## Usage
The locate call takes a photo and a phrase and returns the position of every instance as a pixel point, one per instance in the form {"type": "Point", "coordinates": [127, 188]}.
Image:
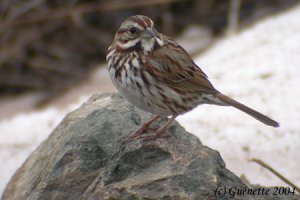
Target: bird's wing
{"type": "Point", "coordinates": [172, 65]}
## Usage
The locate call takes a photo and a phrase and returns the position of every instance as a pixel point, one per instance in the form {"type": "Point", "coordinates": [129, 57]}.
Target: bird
{"type": "Point", "coordinates": [157, 75]}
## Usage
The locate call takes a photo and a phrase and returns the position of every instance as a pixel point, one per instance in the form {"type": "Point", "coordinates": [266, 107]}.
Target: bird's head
{"type": "Point", "coordinates": [137, 33]}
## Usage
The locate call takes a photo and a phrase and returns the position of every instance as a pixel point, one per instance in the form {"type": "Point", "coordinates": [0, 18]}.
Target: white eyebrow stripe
{"type": "Point", "coordinates": [135, 24]}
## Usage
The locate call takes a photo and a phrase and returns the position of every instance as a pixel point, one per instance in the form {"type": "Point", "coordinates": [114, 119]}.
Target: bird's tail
{"type": "Point", "coordinates": [263, 118]}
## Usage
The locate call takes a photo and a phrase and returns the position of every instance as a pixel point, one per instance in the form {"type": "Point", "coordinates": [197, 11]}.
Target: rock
{"type": "Point", "coordinates": [83, 159]}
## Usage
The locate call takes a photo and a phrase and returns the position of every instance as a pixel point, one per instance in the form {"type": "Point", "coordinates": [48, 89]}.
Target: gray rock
{"type": "Point", "coordinates": [83, 159]}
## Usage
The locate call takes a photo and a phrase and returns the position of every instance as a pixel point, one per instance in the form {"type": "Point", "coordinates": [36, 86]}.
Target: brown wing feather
{"type": "Point", "coordinates": [178, 69]}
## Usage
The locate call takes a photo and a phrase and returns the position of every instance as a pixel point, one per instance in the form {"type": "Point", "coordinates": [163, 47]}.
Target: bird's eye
{"type": "Point", "coordinates": [133, 30]}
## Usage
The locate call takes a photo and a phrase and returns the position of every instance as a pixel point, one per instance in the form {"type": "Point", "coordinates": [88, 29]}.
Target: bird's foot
{"type": "Point", "coordinates": [138, 134]}
{"type": "Point", "coordinates": [157, 135]}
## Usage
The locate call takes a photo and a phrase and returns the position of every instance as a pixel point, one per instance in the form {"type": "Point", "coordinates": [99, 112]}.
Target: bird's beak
{"type": "Point", "coordinates": [148, 34]}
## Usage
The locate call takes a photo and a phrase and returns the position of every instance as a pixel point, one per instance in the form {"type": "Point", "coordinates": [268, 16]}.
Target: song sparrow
{"type": "Point", "coordinates": [157, 75]}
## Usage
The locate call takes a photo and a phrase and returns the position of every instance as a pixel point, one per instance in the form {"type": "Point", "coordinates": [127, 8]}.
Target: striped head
{"type": "Point", "coordinates": [137, 33]}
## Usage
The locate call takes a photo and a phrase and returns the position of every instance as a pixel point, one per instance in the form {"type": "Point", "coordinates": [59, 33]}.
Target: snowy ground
{"type": "Point", "coordinates": [259, 67]}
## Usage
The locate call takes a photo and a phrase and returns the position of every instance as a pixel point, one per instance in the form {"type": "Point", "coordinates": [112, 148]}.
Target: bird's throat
{"type": "Point", "coordinates": [147, 44]}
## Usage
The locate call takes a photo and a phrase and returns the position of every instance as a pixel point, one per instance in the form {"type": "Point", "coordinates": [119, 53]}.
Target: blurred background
{"type": "Point", "coordinates": [51, 46]}
{"type": "Point", "coordinates": [52, 55]}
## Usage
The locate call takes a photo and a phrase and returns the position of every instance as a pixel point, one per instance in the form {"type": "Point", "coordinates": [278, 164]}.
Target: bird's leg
{"type": "Point", "coordinates": [141, 130]}
{"type": "Point", "coordinates": [161, 130]}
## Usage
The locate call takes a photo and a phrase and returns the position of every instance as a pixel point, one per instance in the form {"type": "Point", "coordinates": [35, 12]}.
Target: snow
{"type": "Point", "coordinates": [259, 67]}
